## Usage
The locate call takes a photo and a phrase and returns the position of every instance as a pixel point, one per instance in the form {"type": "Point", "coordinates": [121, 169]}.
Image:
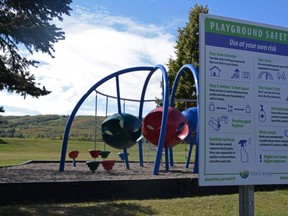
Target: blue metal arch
{"type": "Point", "coordinates": [140, 149]}
{"type": "Point", "coordinates": [194, 72]}
{"type": "Point", "coordinates": [116, 75]}
{"type": "Point", "coordinates": [164, 121]}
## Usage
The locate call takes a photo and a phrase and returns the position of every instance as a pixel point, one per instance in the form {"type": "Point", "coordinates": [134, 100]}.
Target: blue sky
{"type": "Point", "coordinates": [104, 36]}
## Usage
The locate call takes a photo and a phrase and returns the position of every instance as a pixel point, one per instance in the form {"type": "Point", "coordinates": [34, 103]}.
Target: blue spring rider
{"type": "Point", "coordinates": [191, 115]}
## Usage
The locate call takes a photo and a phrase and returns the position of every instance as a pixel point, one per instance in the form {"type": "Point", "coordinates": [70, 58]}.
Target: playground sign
{"type": "Point", "coordinates": [243, 127]}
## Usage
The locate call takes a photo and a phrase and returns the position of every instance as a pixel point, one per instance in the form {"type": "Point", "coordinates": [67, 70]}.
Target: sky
{"type": "Point", "coordinates": [105, 36]}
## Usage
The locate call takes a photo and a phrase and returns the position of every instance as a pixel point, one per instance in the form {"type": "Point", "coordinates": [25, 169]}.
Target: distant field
{"type": "Point", "coordinates": [17, 150]}
{"type": "Point", "coordinates": [24, 138]}
{"type": "Point", "coordinates": [49, 127]}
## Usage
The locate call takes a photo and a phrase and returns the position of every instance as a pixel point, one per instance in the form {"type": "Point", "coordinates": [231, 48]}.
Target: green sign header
{"type": "Point", "coordinates": [246, 30]}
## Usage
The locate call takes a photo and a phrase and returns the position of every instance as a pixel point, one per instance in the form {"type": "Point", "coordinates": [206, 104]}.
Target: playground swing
{"type": "Point", "coordinates": [121, 131]}
{"type": "Point", "coordinates": [95, 153]}
{"type": "Point", "coordinates": [149, 151]}
{"type": "Point", "coordinates": [107, 164]}
{"type": "Point", "coordinates": [120, 154]}
{"type": "Point", "coordinates": [105, 153]}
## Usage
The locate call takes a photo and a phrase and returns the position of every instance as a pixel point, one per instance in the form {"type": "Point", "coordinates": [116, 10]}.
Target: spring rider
{"type": "Point", "coordinates": [177, 128]}
{"type": "Point", "coordinates": [121, 131]}
{"type": "Point", "coordinates": [191, 115]}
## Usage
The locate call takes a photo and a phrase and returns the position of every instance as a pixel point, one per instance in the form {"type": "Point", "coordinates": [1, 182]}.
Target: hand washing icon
{"type": "Point", "coordinates": [215, 123]}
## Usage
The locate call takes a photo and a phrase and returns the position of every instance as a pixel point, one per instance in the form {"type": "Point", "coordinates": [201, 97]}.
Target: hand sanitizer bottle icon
{"type": "Point", "coordinates": [211, 107]}
{"type": "Point", "coordinates": [262, 114]}
{"type": "Point", "coordinates": [247, 109]}
{"type": "Point", "coordinates": [243, 151]}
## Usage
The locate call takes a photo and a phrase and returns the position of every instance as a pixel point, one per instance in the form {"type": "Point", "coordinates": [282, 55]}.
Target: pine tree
{"type": "Point", "coordinates": [187, 52]}
{"type": "Point", "coordinates": [27, 24]}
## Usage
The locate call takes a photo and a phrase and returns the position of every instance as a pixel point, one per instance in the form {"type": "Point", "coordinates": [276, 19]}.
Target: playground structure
{"type": "Point", "coordinates": [177, 128]}
{"type": "Point", "coordinates": [73, 155]}
{"type": "Point", "coordinates": [123, 130]}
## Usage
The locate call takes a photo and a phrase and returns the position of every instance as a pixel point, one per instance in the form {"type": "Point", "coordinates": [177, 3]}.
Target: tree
{"type": "Point", "coordinates": [187, 52]}
{"type": "Point", "coordinates": [27, 24]}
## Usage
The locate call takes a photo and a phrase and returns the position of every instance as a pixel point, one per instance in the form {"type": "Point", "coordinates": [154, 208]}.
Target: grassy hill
{"type": "Point", "coordinates": [49, 126]}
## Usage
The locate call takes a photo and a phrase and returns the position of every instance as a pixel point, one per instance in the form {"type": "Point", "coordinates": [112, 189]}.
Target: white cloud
{"type": "Point", "coordinates": [96, 45]}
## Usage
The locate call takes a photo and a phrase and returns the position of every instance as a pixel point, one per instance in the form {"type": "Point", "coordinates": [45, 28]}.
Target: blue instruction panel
{"type": "Point", "coordinates": [243, 80]}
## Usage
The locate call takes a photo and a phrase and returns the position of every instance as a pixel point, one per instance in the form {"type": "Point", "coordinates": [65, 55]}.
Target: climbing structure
{"type": "Point", "coordinates": [150, 71]}
{"type": "Point", "coordinates": [164, 127]}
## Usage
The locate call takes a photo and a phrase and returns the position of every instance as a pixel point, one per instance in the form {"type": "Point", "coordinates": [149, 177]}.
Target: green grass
{"type": "Point", "coordinates": [266, 204]}
{"type": "Point", "coordinates": [16, 150]}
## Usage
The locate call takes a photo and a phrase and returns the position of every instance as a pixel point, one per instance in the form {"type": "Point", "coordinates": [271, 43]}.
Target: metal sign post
{"type": "Point", "coordinates": [246, 200]}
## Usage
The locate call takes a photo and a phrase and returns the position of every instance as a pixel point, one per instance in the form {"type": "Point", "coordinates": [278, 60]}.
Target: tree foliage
{"type": "Point", "coordinates": [187, 52]}
{"type": "Point", "coordinates": [27, 24]}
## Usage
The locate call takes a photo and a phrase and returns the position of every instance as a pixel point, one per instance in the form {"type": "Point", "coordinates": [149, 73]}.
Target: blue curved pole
{"type": "Point", "coordinates": [171, 159]}
{"type": "Point", "coordinates": [126, 158]}
{"type": "Point", "coordinates": [95, 121]}
{"type": "Point", "coordinates": [158, 158]}
{"type": "Point", "coordinates": [125, 152]}
{"type": "Point", "coordinates": [166, 150]}
{"type": "Point", "coordinates": [140, 147]}
{"type": "Point", "coordinates": [189, 155]}
{"type": "Point", "coordinates": [118, 94]}
{"type": "Point", "coordinates": [194, 72]}
{"type": "Point", "coordinates": [164, 120]}
{"type": "Point", "coordinates": [80, 102]}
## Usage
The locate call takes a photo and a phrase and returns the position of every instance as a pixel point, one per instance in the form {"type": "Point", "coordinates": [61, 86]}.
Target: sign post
{"type": "Point", "coordinates": [246, 200]}
{"type": "Point", "coordinates": [243, 132]}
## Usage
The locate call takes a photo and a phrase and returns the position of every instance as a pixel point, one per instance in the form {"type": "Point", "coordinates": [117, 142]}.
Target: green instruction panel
{"type": "Point", "coordinates": [243, 79]}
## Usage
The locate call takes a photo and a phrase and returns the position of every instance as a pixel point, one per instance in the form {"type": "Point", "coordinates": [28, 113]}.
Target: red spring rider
{"type": "Point", "coordinates": [177, 127]}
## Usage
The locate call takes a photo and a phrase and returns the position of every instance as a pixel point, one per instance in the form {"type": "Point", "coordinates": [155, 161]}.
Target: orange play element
{"type": "Point", "coordinates": [93, 165]}
{"type": "Point", "coordinates": [104, 154]}
{"type": "Point", "coordinates": [177, 127]}
{"type": "Point", "coordinates": [94, 153]}
{"type": "Point", "coordinates": [108, 164]}
{"type": "Point", "coordinates": [73, 154]}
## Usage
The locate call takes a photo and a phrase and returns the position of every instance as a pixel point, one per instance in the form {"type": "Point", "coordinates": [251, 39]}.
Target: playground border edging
{"type": "Point", "coordinates": [88, 191]}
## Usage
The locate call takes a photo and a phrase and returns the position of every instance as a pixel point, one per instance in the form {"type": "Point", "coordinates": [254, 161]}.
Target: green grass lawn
{"type": "Point", "coordinates": [15, 150]}
{"type": "Point", "coordinates": [266, 204]}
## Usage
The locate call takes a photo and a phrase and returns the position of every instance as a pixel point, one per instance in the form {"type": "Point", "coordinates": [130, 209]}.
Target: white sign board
{"type": "Point", "coordinates": [243, 135]}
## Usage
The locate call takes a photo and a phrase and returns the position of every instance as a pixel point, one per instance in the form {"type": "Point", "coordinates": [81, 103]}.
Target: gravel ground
{"type": "Point", "coordinates": [46, 172]}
